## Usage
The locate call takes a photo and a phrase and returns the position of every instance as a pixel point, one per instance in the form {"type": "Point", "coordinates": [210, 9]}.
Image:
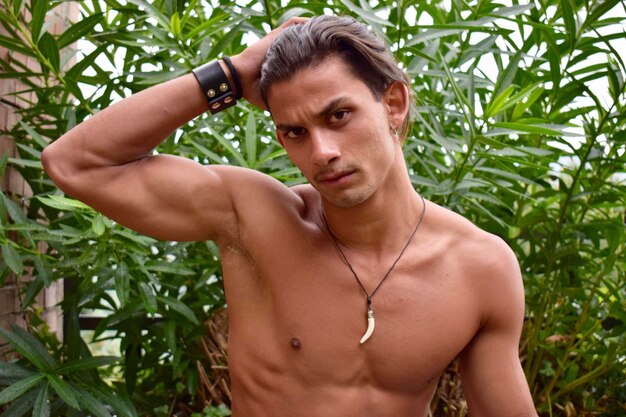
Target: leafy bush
{"type": "Point", "coordinates": [520, 127]}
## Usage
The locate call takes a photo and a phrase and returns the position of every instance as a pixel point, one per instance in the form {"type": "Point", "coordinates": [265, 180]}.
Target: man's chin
{"type": "Point", "coordinates": [346, 199]}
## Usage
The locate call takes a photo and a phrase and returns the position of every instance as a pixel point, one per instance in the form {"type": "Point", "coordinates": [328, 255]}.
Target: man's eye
{"type": "Point", "coordinates": [339, 116]}
{"type": "Point", "coordinates": [294, 133]}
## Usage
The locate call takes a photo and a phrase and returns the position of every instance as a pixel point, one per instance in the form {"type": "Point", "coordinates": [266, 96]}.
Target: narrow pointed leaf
{"type": "Point", "coordinates": [21, 406]}
{"type": "Point", "coordinates": [79, 29]}
{"type": "Point", "coordinates": [180, 308]}
{"type": "Point", "coordinates": [64, 203]}
{"type": "Point", "coordinates": [148, 297]}
{"type": "Point", "coordinates": [251, 139]}
{"type": "Point", "coordinates": [34, 135]}
{"type": "Point", "coordinates": [50, 50]}
{"type": "Point", "coordinates": [3, 164]}
{"type": "Point", "coordinates": [84, 364]}
{"type": "Point", "coordinates": [498, 102]}
{"type": "Point", "coordinates": [365, 14]}
{"type": "Point", "coordinates": [570, 23]}
{"type": "Point", "coordinates": [40, 8]}
{"type": "Point", "coordinates": [41, 408]}
{"type": "Point", "coordinates": [122, 406]}
{"type": "Point", "coordinates": [28, 346]}
{"type": "Point", "coordinates": [15, 390]}
{"type": "Point", "coordinates": [528, 128]}
{"type": "Point", "coordinates": [16, 45]}
{"type": "Point", "coordinates": [122, 284]}
{"type": "Point", "coordinates": [91, 403]}
{"type": "Point", "coordinates": [11, 371]}
{"type": "Point", "coordinates": [63, 390]}
{"type": "Point", "coordinates": [33, 289]}
{"type": "Point", "coordinates": [12, 259]}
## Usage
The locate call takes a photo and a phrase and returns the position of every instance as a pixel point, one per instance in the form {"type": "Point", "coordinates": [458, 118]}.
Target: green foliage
{"type": "Point", "coordinates": [520, 125]}
{"type": "Point", "coordinates": [220, 411]}
{"type": "Point", "coordinates": [44, 379]}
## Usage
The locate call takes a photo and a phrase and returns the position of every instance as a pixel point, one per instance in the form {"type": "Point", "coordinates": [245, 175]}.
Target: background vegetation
{"type": "Point", "coordinates": [520, 126]}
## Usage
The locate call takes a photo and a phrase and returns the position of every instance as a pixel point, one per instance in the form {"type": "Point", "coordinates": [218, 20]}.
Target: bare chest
{"type": "Point", "coordinates": [311, 312]}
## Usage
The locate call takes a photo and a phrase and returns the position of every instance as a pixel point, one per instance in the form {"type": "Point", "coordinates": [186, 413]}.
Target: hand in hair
{"type": "Point", "coordinates": [248, 63]}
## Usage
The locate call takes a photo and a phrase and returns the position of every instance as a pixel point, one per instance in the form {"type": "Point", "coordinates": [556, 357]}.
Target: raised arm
{"type": "Point", "coordinates": [106, 161]}
{"type": "Point", "coordinates": [494, 384]}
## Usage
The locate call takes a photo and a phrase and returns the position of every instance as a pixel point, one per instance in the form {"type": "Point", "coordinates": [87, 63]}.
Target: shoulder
{"type": "Point", "coordinates": [262, 204]}
{"type": "Point", "coordinates": [489, 267]}
{"type": "Point", "coordinates": [252, 189]}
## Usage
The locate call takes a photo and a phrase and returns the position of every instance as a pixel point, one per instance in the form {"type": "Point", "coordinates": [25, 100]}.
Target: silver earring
{"type": "Point", "coordinates": [394, 130]}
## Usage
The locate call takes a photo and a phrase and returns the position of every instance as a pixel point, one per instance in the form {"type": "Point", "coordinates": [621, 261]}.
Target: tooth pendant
{"type": "Point", "coordinates": [370, 325]}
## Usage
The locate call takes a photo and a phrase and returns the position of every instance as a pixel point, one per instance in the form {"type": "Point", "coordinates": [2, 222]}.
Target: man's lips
{"type": "Point", "coordinates": [333, 176]}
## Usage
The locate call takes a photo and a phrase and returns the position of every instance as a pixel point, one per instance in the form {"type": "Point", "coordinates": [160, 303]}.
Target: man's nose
{"type": "Point", "coordinates": [325, 148]}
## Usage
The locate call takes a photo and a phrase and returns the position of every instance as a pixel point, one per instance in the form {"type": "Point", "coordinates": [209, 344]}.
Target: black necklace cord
{"type": "Point", "coordinates": [345, 259]}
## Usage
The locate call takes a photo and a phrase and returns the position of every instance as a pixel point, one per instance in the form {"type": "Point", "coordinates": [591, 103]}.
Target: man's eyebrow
{"type": "Point", "coordinates": [332, 105]}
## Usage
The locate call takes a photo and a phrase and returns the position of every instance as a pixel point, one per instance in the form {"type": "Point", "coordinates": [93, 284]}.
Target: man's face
{"type": "Point", "coordinates": [335, 131]}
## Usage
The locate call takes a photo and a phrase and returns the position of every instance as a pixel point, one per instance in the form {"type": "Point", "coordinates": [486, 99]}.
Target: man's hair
{"type": "Point", "coordinates": [305, 45]}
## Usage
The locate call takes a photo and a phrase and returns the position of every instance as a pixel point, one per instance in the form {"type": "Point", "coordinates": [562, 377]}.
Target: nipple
{"type": "Point", "coordinates": [295, 343]}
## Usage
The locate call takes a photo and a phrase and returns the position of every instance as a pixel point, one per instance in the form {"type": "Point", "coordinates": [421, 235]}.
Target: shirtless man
{"type": "Point", "coordinates": [301, 263]}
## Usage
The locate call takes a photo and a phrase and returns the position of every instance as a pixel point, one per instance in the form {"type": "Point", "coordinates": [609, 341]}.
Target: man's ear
{"type": "Point", "coordinates": [396, 100]}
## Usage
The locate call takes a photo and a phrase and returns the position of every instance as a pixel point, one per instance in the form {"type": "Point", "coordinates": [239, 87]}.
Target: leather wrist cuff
{"type": "Point", "coordinates": [215, 85]}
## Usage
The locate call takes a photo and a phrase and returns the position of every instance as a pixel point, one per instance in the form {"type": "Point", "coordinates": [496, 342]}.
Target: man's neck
{"type": "Point", "coordinates": [381, 222]}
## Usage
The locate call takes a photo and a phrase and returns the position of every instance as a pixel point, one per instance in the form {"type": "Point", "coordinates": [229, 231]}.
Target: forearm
{"type": "Point", "coordinates": [130, 129]}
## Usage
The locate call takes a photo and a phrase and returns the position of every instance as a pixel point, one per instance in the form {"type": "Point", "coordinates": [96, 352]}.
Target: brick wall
{"type": "Point", "coordinates": [15, 186]}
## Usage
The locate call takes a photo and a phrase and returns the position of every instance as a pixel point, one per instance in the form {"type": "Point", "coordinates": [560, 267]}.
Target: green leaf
{"type": "Point", "coordinates": [63, 390]}
{"type": "Point", "coordinates": [79, 29]}
{"type": "Point", "coordinates": [365, 14]}
{"type": "Point", "coordinates": [506, 77]}
{"type": "Point", "coordinates": [505, 174]}
{"type": "Point", "coordinates": [40, 8]}
{"type": "Point", "coordinates": [19, 74]}
{"type": "Point", "coordinates": [77, 70]}
{"type": "Point", "coordinates": [43, 269]}
{"type": "Point", "coordinates": [522, 106]}
{"type": "Point", "coordinates": [528, 128]}
{"type": "Point", "coordinates": [498, 102]}
{"type": "Point", "coordinates": [13, 259]}
{"type": "Point", "coordinates": [92, 404]}
{"type": "Point", "coordinates": [251, 139]}
{"type": "Point", "coordinates": [34, 134]}
{"type": "Point", "coordinates": [84, 364]}
{"type": "Point", "coordinates": [169, 268]}
{"type": "Point", "coordinates": [4, 273]}
{"type": "Point", "coordinates": [122, 284]}
{"type": "Point", "coordinates": [567, 8]}
{"type": "Point", "coordinates": [18, 5]}
{"type": "Point", "coordinates": [33, 289]}
{"type": "Point", "coordinates": [180, 308]}
{"type": "Point", "coordinates": [26, 163]}
{"type": "Point", "coordinates": [175, 25]}
{"type": "Point", "coordinates": [148, 297]}
{"type": "Point", "coordinates": [3, 164]}
{"type": "Point", "coordinates": [15, 212]}
{"type": "Point", "coordinates": [29, 347]}
{"type": "Point", "coordinates": [230, 148]}
{"type": "Point", "coordinates": [21, 405]}
{"type": "Point", "coordinates": [17, 46]}
{"type": "Point", "coordinates": [15, 390]}
{"type": "Point", "coordinates": [64, 203]}
{"type": "Point", "coordinates": [41, 408]}
{"type": "Point", "coordinates": [12, 371]}
{"type": "Point", "coordinates": [97, 225]}
{"type": "Point", "coordinates": [122, 406]}
{"type": "Point", "coordinates": [50, 50]}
